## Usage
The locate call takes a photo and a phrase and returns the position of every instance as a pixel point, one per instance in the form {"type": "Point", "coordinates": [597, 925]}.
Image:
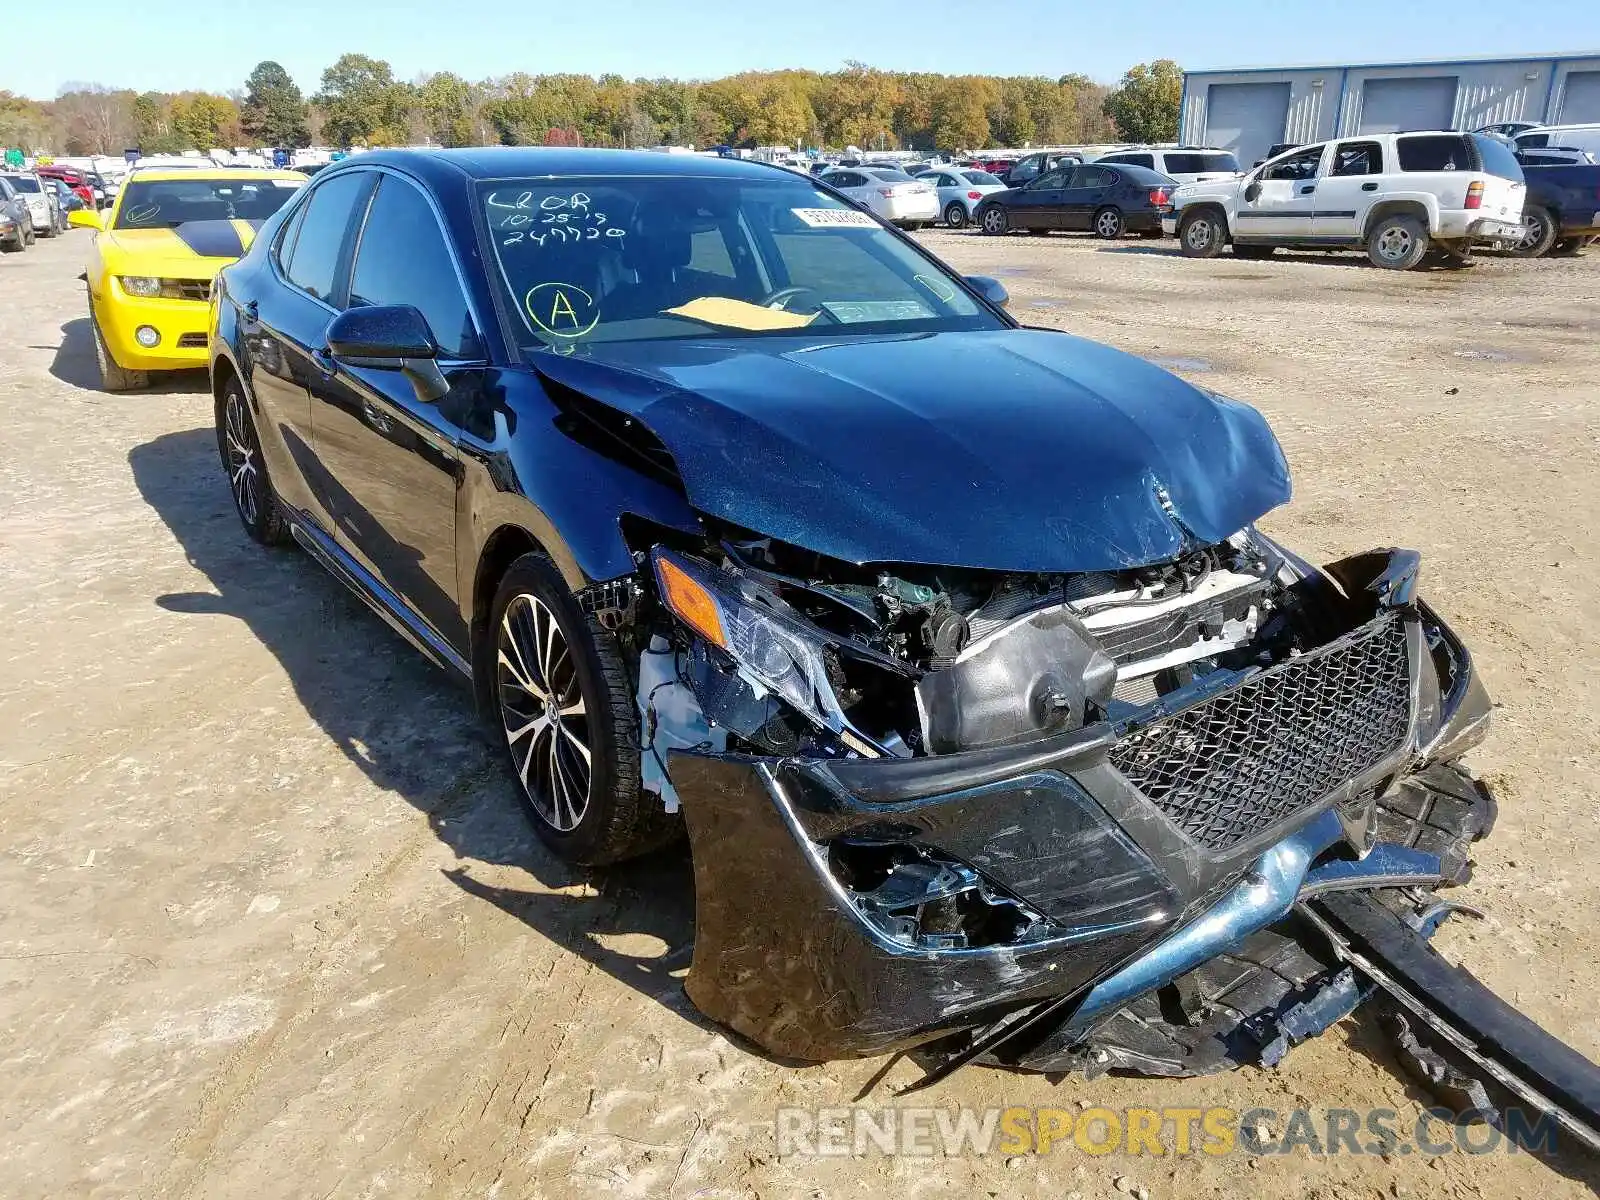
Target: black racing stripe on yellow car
{"type": "Point", "coordinates": [211, 239]}
{"type": "Point", "coordinates": [246, 229]}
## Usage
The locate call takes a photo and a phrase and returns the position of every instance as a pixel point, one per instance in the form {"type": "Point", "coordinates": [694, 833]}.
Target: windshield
{"type": "Point", "coordinates": [624, 259]}
{"type": "Point", "coordinates": [981, 178]}
{"type": "Point", "coordinates": [25, 183]}
{"type": "Point", "coordinates": [165, 203]}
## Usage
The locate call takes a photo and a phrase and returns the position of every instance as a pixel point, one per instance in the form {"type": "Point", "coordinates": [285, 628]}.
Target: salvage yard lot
{"type": "Point", "coordinates": [272, 923]}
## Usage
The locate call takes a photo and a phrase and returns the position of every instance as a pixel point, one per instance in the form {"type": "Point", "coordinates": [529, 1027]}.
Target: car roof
{"type": "Point", "coordinates": [512, 162]}
{"type": "Point", "coordinates": [167, 174]}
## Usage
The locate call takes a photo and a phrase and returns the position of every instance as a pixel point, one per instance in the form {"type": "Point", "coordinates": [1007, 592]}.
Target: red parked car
{"type": "Point", "coordinates": [73, 178]}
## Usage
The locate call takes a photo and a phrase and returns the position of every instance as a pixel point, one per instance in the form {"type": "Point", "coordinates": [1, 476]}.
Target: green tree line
{"type": "Point", "coordinates": [361, 103]}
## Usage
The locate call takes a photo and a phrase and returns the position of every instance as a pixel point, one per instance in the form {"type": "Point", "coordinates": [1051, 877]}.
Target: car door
{"type": "Point", "coordinates": [1347, 190]}
{"type": "Point", "coordinates": [393, 456]}
{"type": "Point", "coordinates": [281, 325]}
{"type": "Point", "coordinates": [1085, 192]}
{"type": "Point", "coordinates": [854, 185]}
{"type": "Point", "coordinates": [1281, 201]}
{"type": "Point", "coordinates": [948, 186]}
{"type": "Point", "coordinates": [1037, 205]}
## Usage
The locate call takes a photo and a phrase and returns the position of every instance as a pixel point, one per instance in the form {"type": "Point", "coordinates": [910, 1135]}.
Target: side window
{"type": "Point", "coordinates": [1357, 158]}
{"type": "Point", "coordinates": [313, 263]}
{"type": "Point", "coordinates": [708, 254]}
{"type": "Point", "coordinates": [291, 231]}
{"type": "Point", "coordinates": [1297, 166]}
{"type": "Point", "coordinates": [1045, 183]}
{"type": "Point", "coordinates": [845, 179]}
{"type": "Point", "coordinates": [946, 181]}
{"type": "Point", "coordinates": [1135, 160]}
{"type": "Point", "coordinates": [1184, 164]}
{"type": "Point", "coordinates": [1093, 177]}
{"type": "Point", "coordinates": [1441, 152]}
{"type": "Point", "coordinates": [403, 259]}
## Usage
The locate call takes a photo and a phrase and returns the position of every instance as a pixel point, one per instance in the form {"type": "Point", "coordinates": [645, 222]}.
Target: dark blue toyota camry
{"type": "Point", "coordinates": [953, 644]}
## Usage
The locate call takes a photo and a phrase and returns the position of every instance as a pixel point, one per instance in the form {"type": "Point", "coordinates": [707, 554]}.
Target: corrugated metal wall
{"type": "Point", "coordinates": [1326, 102]}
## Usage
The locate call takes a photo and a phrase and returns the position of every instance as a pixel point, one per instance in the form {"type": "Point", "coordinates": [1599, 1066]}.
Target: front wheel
{"type": "Point", "coordinates": [567, 714]}
{"type": "Point", "coordinates": [956, 216]}
{"type": "Point", "coordinates": [1108, 223]}
{"type": "Point", "coordinates": [993, 220]}
{"type": "Point", "coordinates": [1397, 243]}
{"type": "Point", "coordinates": [240, 447]}
{"type": "Point", "coordinates": [1540, 229]}
{"type": "Point", "coordinates": [113, 378]}
{"type": "Point", "coordinates": [1201, 234]}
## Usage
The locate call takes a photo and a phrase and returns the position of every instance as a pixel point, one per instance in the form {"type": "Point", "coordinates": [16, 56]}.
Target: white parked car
{"type": "Point", "coordinates": [960, 190]}
{"type": "Point", "coordinates": [1574, 137]}
{"type": "Point", "coordinates": [1189, 164]}
{"type": "Point", "coordinates": [1395, 195]}
{"type": "Point", "coordinates": [892, 195]}
{"type": "Point", "coordinates": [41, 202]}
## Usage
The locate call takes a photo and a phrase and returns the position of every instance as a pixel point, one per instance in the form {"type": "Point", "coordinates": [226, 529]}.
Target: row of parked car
{"type": "Point", "coordinates": [34, 204]}
{"type": "Point", "coordinates": [1405, 198]}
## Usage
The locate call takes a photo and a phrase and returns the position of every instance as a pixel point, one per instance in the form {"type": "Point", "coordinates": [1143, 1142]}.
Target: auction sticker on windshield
{"type": "Point", "coordinates": [828, 218]}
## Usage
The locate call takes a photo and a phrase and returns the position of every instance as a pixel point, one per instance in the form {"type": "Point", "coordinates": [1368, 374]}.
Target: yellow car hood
{"type": "Point", "coordinates": [193, 250]}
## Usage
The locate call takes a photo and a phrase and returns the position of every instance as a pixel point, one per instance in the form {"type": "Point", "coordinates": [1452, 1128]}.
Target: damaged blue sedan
{"type": "Point", "coordinates": [999, 730]}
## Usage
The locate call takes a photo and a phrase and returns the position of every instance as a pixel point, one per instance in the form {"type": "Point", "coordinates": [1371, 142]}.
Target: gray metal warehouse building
{"type": "Point", "coordinates": [1248, 110]}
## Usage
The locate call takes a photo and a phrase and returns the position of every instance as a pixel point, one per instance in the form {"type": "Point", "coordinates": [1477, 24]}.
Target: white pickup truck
{"type": "Point", "coordinates": [1397, 195]}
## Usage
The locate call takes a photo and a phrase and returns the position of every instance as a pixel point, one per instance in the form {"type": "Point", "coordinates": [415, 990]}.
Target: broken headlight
{"type": "Point", "coordinates": [774, 651]}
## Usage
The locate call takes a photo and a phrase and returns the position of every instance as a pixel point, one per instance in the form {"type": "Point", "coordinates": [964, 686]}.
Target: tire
{"type": "Point", "coordinates": [1397, 243]}
{"type": "Point", "coordinates": [1252, 252]}
{"type": "Point", "coordinates": [1569, 247]}
{"type": "Point", "coordinates": [566, 710]}
{"type": "Point", "coordinates": [240, 448]}
{"type": "Point", "coordinates": [1108, 223]}
{"type": "Point", "coordinates": [1542, 231]}
{"type": "Point", "coordinates": [955, 215]}
{"type": "Point", "coordinates": [994, 220]}
{"type": "Point", "coordinates": [15, 244]}
{"type": "Point", "coordinates": [49, 231]}
{"type": "Point", "coordinates": [112, 377]}
{"type": "Point", "coordinates": [1201, 234]}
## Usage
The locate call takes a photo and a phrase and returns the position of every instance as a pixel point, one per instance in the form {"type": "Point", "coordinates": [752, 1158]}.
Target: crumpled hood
{"type": "Point", "coordinates": [1016, 450]}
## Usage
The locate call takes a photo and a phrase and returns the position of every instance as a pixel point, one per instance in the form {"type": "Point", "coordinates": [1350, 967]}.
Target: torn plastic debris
{"type": "Point", "coordinates": [669, 719]}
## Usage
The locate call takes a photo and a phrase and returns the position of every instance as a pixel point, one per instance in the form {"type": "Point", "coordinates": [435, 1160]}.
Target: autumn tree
{"type": "Point", "coordinates": [274, 111]}
{"type": "Point", "coordinates": [203, 121]}
{"type": "Point", "coordinates": [24, 124]}
{"type": "Point", "coordinates": [1145, 104]}
{"type": "Point", "coordinates": [362, 103]}
{"type": "Point", "coordinates": [93, 119]}
{"type": "Point", "coordinates": [449, 108]}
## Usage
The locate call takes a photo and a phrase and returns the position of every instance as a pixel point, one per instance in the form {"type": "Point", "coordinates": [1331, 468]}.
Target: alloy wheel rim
{"type": "Point", "coordinates": [1108, 225]}
{"type": "Point", "coordinates": [1395, 243]}
{"type": "Point", "coordinates": [1200, 234]}
{"type": "Point", "coordinates": [242, 475]}
{"type": "Point", "coordinates": [993, 221]}
{"type": "Point", "coordinates": [543, 713]}
{"type": "Point", "coordinates": [1532, 232]}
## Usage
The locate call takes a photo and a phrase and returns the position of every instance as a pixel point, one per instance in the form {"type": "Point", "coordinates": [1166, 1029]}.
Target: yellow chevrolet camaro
{"type": "Point", "coordinates": [157, 252]}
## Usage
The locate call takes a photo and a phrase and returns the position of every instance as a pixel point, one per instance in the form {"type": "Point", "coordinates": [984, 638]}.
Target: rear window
{"type": "Point", "coordinates": [888, 176]}
{"type": "Point", "coordinates": [1187, 163]}
{"type": "Point", "coordinates": [1534, 139]}
{"type": "Point", "coordinates": [1439, 152]}
{"type": "Point", "coordinates": [981, 178]}
{"type": "Point", "coordinates": [24, 183]}
{"type": "Point", "coordinates": [1497, 157]}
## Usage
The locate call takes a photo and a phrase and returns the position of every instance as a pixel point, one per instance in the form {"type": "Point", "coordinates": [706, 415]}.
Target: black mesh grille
{"type": "Point", "coordinates": [1237, 764]}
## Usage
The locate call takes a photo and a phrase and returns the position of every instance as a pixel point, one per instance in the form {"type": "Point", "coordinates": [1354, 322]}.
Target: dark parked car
{"type": "Point", "coordinates": [1562, 210]}
{"type": "Point", "coordinates": [980, 704]}
{"type": "Point", "coordinates": [1110, 202]}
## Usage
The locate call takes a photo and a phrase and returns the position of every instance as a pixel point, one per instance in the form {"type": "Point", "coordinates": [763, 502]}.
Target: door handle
{"type": "Point", "coordinates": [1307, 188]}
{"type": "Point", "coordinates": [1369, 187]}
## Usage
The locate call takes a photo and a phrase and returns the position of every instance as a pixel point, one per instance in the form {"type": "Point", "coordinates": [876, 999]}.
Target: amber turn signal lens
{"type": "Point", "coordinates": [691, 602]}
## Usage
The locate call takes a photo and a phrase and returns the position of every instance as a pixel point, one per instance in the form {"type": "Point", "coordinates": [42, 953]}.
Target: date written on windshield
{"type": "Point", "coordinates": [521, 217]}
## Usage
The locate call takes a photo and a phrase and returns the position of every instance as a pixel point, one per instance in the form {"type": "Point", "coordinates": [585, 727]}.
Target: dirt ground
{"type": "Point", "coordinates": [271, 922]}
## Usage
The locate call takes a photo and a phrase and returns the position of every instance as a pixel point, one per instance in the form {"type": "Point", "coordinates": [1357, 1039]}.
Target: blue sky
{"type": "Point", "coordinates": [167, 45]}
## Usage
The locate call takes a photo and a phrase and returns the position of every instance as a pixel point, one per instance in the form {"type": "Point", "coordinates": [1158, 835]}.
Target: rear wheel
{"type": "Point", "coordinates": [1397, 243]}
{"type": "Point", "coordinates": [955, 216]}
{"type": "Point", "coordinates": [1201, 234]}
{"type": "Point", "coordinates": [1252, 251]}
{"type": "Point", "coordinates": [112, 377]}
{"type": "Point", "coordinates": [1539, 233]}
{"type": "Point", "coordinates": [567, 714]}
{"type": "Point", "coordinates": [1108, 223]}
{"type": "Point", "coordinates": [993, 220]}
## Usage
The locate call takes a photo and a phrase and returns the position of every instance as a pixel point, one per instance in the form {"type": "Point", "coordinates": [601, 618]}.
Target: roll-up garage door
{"type": "Point", "coordinates": [1247, 118]}
{"type": "Point", "coordinates": [1395, 105]}
{"type": "Point", "coordinates": [1580, 98]}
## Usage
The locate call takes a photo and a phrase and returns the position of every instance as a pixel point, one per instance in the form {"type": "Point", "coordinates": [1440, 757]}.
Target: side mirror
{"type": "Point", "coordinates": [1252, 191]}
{"type": "Point", "coordinates": [990, 289]}
{"type": "Point", "coordinates": [86, 218]}
{"type": "Point", "coordinates": [389, 337]}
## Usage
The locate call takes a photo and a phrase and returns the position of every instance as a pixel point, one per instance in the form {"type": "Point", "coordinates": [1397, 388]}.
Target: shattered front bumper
{"type": "Point", "coordinates": [1097, 864]}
